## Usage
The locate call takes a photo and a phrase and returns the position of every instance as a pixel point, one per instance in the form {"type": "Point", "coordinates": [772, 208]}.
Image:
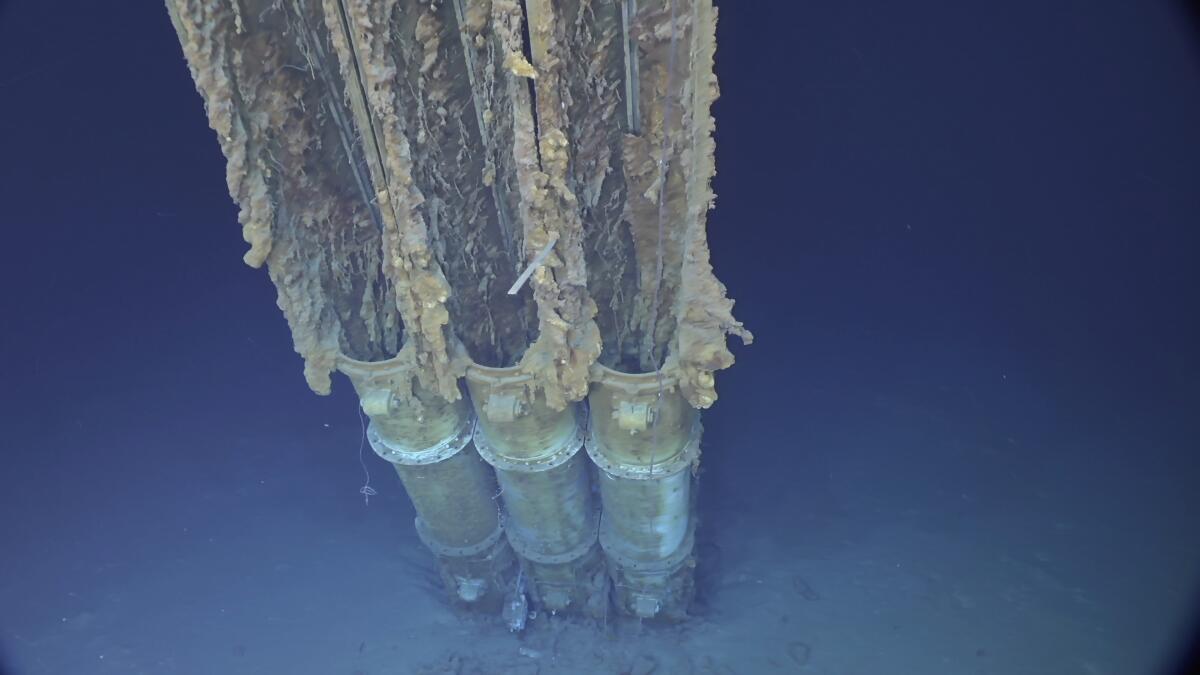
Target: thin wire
{"type": "Point", "coordinates": [664, 167]}
{"type": "Point", "coordinates": [366, 490]}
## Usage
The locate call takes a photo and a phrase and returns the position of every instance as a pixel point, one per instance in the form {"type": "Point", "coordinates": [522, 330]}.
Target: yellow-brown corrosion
{"type": "Point", "coordinates": [398, 163]}
{"type": "Point", "coordinates": [703, 312]}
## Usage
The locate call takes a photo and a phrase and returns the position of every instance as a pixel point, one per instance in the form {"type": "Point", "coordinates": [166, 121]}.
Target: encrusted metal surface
{"type": "Point", "coordinates": [398, 163]}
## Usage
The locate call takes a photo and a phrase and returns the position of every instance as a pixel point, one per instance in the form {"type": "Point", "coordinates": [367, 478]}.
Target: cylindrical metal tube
{"type": "Point", "coordinates": [552, 516]}
{"type": "Point", "coordinates": [550, 512]}
{"type": "Point", "coordinates": [628, 417]}
{"type": "Point", "coordinates": [428, 441]}
{"type": "Point", "coordinates": [452, 497]}
{"type": "Point", "coordinates": [644, 439]}
{"type": "Point", "coordinates": [647, 519]}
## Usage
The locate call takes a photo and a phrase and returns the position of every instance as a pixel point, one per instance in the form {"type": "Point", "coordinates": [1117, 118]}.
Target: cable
{"type": "Point", "coordinates": [366, 490]}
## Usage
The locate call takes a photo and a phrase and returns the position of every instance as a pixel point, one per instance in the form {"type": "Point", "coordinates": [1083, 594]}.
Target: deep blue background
{"type": "Point", "coordinates": [978, 192]}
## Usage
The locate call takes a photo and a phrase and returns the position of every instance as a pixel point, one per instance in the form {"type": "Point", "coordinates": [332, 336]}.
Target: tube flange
{"type": "Point", "coordinates": [553, 456]}
{"type": "Point", "coordinates": [396, 453]}
{"type": "Point", "coordinates": [685, 458]}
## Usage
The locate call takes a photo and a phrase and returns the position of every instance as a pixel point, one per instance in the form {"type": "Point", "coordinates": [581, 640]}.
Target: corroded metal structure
{"type": "Point", "coordinates": [490, 215]}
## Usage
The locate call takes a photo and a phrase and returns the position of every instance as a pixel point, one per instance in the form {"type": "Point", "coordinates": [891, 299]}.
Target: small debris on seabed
{"type": "Point", "coordinates": [531, 653]}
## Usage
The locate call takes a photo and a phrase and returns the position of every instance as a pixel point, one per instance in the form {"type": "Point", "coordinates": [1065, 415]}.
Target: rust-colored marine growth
{"type": "Point", "coordinates": [398, 163]}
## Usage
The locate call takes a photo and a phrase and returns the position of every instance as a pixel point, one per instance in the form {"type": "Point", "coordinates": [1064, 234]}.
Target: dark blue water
{"type": "Point", "coordinates": [964, 441]}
